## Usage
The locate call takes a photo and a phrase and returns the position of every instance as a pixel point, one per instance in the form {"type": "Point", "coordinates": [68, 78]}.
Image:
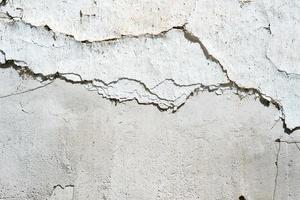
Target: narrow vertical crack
{"type": "Point", "coordinates": [277, 168]}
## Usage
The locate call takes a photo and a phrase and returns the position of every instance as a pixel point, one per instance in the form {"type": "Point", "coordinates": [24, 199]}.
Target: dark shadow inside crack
{"type": "Point", "coordinates": [242, 197]}
{"type": "Point", "coordinates": [3, 2]}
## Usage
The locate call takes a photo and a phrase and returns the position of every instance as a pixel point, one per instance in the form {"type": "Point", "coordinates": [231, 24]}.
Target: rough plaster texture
{"type": "Point", "coordinates": [216, 107]}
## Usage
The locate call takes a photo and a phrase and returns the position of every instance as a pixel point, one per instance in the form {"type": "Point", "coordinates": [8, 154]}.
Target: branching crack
{"type": "Point", "coordinates": [264, 99]}
{"type": "Point", "coordinates": [24, 71]}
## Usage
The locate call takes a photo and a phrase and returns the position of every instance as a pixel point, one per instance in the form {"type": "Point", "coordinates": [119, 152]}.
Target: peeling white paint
{"type": "Point", "coordinates": [98, 20]}
{"type": "Point", "coordinates": [260, 52]}
{"type": "Point", "coordinates": [249, 50]}
{"type": "Point", "coordinates": [126, 69]}
{"type": "Point", "coordinates": [230, 66]}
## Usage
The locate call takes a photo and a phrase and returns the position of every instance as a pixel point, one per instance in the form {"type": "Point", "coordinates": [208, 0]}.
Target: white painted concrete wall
{"type": "Point", "coordinates": [142, 100]}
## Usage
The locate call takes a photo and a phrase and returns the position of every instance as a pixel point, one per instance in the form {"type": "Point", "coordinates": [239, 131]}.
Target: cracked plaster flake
{"type": "Point", "coordinates": [161, 70]}
{"type": "Point", "coordinates": [69, 137]}
{"type": "Point", "coordinates": [257, 43]}
{"type": "Point", "coordinates": [261, 51]}
{"type": "Point", "coordinates": [97, 20]}
{"type": "Point", "coordinates": [69, 144]}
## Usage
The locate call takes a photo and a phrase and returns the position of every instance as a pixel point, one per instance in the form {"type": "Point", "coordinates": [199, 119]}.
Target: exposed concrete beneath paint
{"type": "Point", "coordinates": [133, 151]}
{"type": "Point", "coordinates": [151, 70]}
{"type": "Point", "coordinates": [232, 85]}
{"type": "Point", "coordinates": [259, 72]}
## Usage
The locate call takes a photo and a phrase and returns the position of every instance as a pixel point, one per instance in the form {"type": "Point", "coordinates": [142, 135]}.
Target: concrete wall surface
{"type": "Point", "coordinates": [149, 100]}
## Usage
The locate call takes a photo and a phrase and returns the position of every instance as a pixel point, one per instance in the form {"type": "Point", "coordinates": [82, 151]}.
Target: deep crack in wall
{"type": "Point", "coordinates": [78, 78]}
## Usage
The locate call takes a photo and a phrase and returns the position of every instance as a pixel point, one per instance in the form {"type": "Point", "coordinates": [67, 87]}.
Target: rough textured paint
{"type": "Point", "coordinates": [221, 76]}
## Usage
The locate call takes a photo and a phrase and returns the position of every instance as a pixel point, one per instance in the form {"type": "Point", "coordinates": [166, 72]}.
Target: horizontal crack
{"type": "Point", "coordinates": [286, 141]}
{"type": "Point", "coordinates": [62, 187]}
{"type": "Point", "coordinates": [264, 99]}
{"type": "Point", "coordinates": [122, 36]}
{"type": "Point", "coordinates": [24, 71]}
